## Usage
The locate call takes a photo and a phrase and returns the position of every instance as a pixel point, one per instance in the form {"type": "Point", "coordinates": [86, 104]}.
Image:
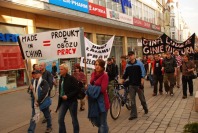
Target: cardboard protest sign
{"type": "Point", "coordinates": [165, 43]}
{"type": "Point", "coordinates": [66, 43]}
{"type": "Point", "coordinates": [94, 52]}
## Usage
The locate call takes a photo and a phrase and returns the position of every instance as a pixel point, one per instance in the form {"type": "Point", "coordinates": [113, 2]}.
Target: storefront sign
{"type": "Point", "coordinates": [141, 23]}
{"type": "Point", "coordinates": [119, 16]}
{"type": "Point", "coordinates": [65, 43]}
{"type": "Point", "coordinates": [97, 10]}
{"type": "Point", "coordinates": [79, 5]}
{"type": "Point", "coordinates": [155, 27]}
{"type": "Point", "coordinates": [10, 58]}
{"type": "Point", "coordinates": [144, 24]}
{"type": "Point", "coordinates": [165, 43]}
{"type": "Point", "coordinates": [94, 52]}
{"type": "Point", "coordinates": [124, 3]}
{"type": "Point", "coordinates": [7, 37]}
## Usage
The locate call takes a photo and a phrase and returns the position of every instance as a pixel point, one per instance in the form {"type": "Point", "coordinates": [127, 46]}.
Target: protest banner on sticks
{"type": "Point", "coordinates": [66, 43]}
{"type": "Point", "coordinates": [94, 52]}
{"type": "Point", "coordinates": [165, 43]}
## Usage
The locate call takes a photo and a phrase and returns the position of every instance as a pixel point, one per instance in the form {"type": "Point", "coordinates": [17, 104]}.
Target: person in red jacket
{"type": "Point", "coordinates": [100, 78]}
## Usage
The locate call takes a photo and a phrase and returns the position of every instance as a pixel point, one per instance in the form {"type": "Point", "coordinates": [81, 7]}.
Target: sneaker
{"type": "Point", "coordinates": [184, 97]}
{"type": "Point", "coordinates": [132, 118]}
{"type": "Point", "coordinates": [82, 108]}
{"type": "Point", "coordinates": [171, 94]}
{"type": "Point", "coordinates": [146, 111]}
{"type": "Point", "coordinates": [154, 94]}
{"type": "Point", "coordinates": [44, 121]}
{"type": "Point", "coordinates": [48, 130]}
{"type": "Point", "coordinates": [166, 93]}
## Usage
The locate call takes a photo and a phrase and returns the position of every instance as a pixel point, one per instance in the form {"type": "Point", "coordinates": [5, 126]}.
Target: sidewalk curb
{"type": "Point", "coordinates": [13, 90]}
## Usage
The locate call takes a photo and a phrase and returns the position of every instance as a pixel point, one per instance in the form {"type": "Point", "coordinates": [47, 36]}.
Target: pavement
{"type": "Point", "coordinates": [167, 114]}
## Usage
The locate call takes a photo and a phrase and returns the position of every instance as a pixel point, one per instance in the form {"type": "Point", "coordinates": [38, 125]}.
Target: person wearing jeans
{"type": "Point", "coordinates": [72, 106]}
{"type": "Point", "coordinates": [187, 71]}
{"type": "Point", "coordinates": [135, 71]}
{"type": "Point", "coordinates": [68, 91]}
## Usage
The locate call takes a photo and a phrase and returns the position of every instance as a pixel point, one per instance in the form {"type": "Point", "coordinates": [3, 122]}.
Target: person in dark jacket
{"type": "Point", "coordinates": [169, 66]}
{"type": "Point", "coordinates": [54, 69]}
{"type": "Point", "coordinates": [111, 71]}
{"type": "Point", "coordinates": [196, 60]}
{"type": "Point", "coordinates": [135, 71]}
{"type": "Point", "coordinates": [68, 91]}
{"type": "Point", "coordinates": [40, 89]}
{"type": "Point", "coordinates": [46, 75]}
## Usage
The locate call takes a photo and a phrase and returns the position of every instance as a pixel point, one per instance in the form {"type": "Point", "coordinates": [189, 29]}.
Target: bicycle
{"type": "Point", "coordinates": [119, 100]}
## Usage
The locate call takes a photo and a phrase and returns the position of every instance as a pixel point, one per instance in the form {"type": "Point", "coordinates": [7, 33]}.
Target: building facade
{"type": "Point", "coordinates": [128, 20]}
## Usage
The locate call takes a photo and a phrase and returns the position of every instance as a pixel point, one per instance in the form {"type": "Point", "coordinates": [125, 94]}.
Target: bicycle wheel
{"type": "Point", "coordinates": [128, 102]}
{"type": "Point", "coordinates": [115, 107]}
{"type": "Point", "coordinates": [53, 91]}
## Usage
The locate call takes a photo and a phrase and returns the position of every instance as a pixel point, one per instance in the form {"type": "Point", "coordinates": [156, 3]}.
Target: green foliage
{"type": "Point", "coordinates": [191, 128]}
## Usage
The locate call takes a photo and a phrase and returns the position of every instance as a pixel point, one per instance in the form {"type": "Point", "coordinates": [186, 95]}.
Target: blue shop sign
{"type": "Point", "coordinates": [123, 4]}
{"type": "Point", "coordinates": [7, 37]}
{"type": "Point", "coordinates": [79, 5]}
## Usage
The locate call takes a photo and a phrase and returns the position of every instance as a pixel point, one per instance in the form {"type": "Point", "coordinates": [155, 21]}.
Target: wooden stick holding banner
{"type": "Point", "coordinates": [25, 61]}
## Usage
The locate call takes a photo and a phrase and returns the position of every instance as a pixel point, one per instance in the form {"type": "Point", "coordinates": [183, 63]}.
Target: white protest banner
{"type": "Point", "coordinates": [66, 43]}
{"type": "Point", "coordinates": [94, 52]}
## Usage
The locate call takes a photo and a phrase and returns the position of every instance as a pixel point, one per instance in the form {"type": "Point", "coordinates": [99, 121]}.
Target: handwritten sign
{"type": "Point", "coordinates": [65, 43]}
{"type": "Point", "coordinates": [94, 52]}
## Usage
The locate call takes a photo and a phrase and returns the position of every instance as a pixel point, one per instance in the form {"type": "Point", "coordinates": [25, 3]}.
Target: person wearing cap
{"type": "Point", "coordinates": [169, 66]}
{"type": "Point", "coordinates": [40, 95]}
{"type": "Point", "coordinates": [135, 71]}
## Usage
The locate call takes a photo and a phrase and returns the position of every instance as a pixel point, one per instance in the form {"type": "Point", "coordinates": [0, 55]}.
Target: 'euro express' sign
{"type": "Point", "coordinates": [7, 37]}
{"type": "Point", "coordinates": [123, 4]}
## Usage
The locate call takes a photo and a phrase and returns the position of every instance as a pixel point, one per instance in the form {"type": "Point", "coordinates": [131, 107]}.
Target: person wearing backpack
{"type": "Point", "coordinates": [169, 66]}
{"type": "Point", "coordinates": [68, 92]}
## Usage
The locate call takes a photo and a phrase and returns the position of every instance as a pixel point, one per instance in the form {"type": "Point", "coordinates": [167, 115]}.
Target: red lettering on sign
{"type": "Point", "coordinates": [66, 51]}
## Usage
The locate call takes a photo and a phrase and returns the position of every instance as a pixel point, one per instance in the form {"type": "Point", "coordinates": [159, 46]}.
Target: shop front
{"type": "Point", "coordinates": [12, 68]}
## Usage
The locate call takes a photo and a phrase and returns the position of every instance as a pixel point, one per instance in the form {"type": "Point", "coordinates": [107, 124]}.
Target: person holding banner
{"type": "Point", "coordinates": [100, 78]}
{"type": "Point", "coordinates": [169, 66]}
{"type": "Point", "coordinates": [41, 100]}
{"type": "Point", "coordinates": [68, 91]}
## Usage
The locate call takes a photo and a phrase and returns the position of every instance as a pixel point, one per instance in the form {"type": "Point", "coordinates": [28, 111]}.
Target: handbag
{"type": "Point", "coordinates": [46, 103]}
{"type": "Point", "coordinates": [193, 74]}
{"type": "Point", "coordinates": [81, 91]}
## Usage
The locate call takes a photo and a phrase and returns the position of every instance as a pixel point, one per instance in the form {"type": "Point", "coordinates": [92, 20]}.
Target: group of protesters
{"type": "Point", "coordinates": [161, 70]}
{"type": "Point", "coordinates": [166, 70]}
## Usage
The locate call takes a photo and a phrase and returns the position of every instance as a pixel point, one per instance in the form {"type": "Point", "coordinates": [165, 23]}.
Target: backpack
{"type": "Point", "coordinates": [169, 68]}
{"type": "Point", "coordinates": [81, 91]}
